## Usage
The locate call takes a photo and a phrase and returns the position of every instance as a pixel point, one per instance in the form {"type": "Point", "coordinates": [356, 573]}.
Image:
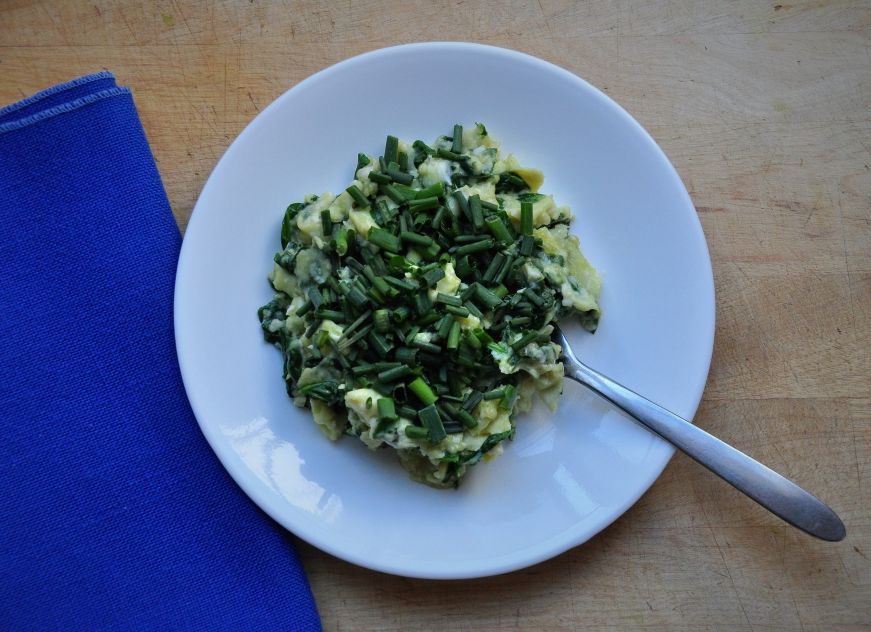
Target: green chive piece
{"type": "Point", "coordinates": [472, 400]}
{"type": "Point", "coordinates": [490, 206]}
{"type": "Point", "coordinates": [381, 318]}
{"type": "Point", "coordinates": [524, 340]}
{"type": "Point", "coordinates": [379, 178]}
{"type": "Point", "coordinates": [496, 393]}
{"type": "Point", "coordinates": [407, 285]}
{"type": "Point", "coordinates": [416, 432]}
{"type": "Point", "coordinates": [422, 391]}
{"type": "Point", "coordinates": [393, 193]}
{"type": "Point", "coordinates": [326, 223]}
{"type": "Point", "coordinates": [431, 277]}
{"type": "Point", "coordinates": [359, 199]}
{"type": "Point", "coordinates": [362, 161]}
{"type": "Point", "coordinates": [380, 343]}
{"type": "Point", "coordinates": [448, 155]}
{"type": "Point", "coordinates": [476, 212]}
{"type": "Point", "coordinates": [500, 290]}
{"type": "Point", "coordinates": [499, 229]}
{"type": "Point", "coordinates": [454, 336]}
{"type": "Point", "coordinates": [473, 310]}
{"type": "Point", "coordinates": [423, 204]}
{"type": "Point", "coordinates": [503, 270]}
{"type": "Point", "coordinates": [486, 297]}
{"type": "Point", "coordinates": [448, 300]}
{"type": "Point", "coordinates": [462, 202]}
{"type": "Point", "coordinates": [527, 244]}
{"type": "Point", "coordinates": [406, 355]}
{"type": "Point", "coordinates": [426, 346]}
{"type": "Point", "coordinates": [429, 417]}
{"type": "Point", "coordinates": [475, 246]}
{"type": "Point", "coordinates": [457, 146]}
{"type": "Point", "coordinates": [391, 375]}
{"type": "Point", "coordinates": [444, 327]}
{"type": "Point", "coordinates": [398, 176]}
{"type": "Point", "coordinates": [494, 267]}
{"type": "Point", "coordinates": [387, 409]}
{"type": "Point", "coordinates": [384, 239]}
{"type": "Point", "coordinates": [403, 161]}
{"type": "Point", "coordinates": [391, 149]}
{"type": "Point", "coordinates": [460, 311]}
{"type": "Point", "coordinates": [305, 309]}
{"type": "Point", "coordinates": [422, 304]}
{"type": "Point", "coordinates": [415, 238]}
{"type": "Point", "coordinates": [433, 190]}
{"type": "Point", "coordinates": [466, 419]}
{"type": "Point", "coordinates": [526, 218]}
{"type": "Point", "coordinates": [472, 340]}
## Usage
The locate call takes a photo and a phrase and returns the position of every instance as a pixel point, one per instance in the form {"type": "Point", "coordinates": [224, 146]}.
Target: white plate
{"type": "Point", "coordinates": [566, 476]}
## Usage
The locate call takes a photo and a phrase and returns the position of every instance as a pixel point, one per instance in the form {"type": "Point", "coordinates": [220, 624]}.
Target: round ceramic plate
{"type": "Point", "coordinates": [566, 475]}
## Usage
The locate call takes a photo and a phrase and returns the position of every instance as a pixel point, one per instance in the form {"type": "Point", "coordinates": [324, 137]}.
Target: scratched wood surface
{"type": "Point", "coordinates": [765, 110]}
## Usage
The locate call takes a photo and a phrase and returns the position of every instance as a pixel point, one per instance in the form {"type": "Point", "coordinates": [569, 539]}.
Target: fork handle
{"type": "Point", "coordinates": [779, 495]}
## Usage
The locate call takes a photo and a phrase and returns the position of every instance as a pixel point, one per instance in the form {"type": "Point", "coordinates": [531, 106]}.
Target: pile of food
{"type": "Point", "coordinates": [414, 309]}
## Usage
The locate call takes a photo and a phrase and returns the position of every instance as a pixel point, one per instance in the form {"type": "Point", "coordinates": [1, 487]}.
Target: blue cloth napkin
{"type": "Point", "coordinates": [114, 513]}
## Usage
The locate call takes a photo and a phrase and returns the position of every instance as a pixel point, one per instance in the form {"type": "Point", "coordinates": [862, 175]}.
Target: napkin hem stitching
{"type": "Point", "coordinates": [62, 108]}
{"type": "Point", "coordinates": [42, 94]}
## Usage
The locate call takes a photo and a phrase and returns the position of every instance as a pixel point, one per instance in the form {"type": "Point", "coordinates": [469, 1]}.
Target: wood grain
{"type": "Point", "coordinates": [765, 110]}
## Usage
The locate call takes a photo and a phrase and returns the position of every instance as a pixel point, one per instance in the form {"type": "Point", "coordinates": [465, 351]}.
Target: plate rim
{"type": "Point", "coordinates": [489, 566]}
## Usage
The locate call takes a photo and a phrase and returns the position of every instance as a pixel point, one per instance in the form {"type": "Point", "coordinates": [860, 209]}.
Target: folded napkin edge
{"type": "Point", "coordinates": [62, 108]}
{"type": "Point", "coordinates": [67, 85]}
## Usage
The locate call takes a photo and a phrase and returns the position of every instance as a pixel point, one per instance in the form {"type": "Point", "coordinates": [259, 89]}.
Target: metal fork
{"type": "Point", "coordinates": [779, 495]}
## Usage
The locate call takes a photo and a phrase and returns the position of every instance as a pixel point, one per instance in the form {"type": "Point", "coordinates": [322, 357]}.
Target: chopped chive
{"type": "Point", "coordinates": [457, 146]}
{"type": "Point", "coordinates": [391, 375]}
{"type": "Point", "coordinates": [419, 203]}
{"type": "Point", "coordinates": [382, 346]}
{"type": "Point", "coordinates": [503, 270]}
{"type": "Point", "coordinates": [486, 297]}
{"type": "Point", "coordinates": [362, 161]}
{"type": "Point", "coordinates": [472, 400]}
{"type": "Point", "coordinates": [463, 267]}
{"type": "Point", "coordinates": [533, 296]}
{"type": "Point", "coordinates": [415, 238]}
{"type": "Point", "coordinates": [341, 242]}
{"type": "Point", "coordinates": [398, 176]}
{"type": "Point", "coordinates": [332, 314]}
{"type": "Point", "coordinates": [363, 369]}
{"type": "Point", "coordinates": [475, 246]}
{"type": "Point", "coordinates": [433, 190]}
{"type": "Point", "coordinates": [391, 149]}
{"type": "Point", "coordinates": [448, 155]}
{"type": "Point", "coordinates": [448, 300]}
{"type": "Point", "coordinates": [393, 193]}
{"type": "Point", "coordinates": [499, 229]}
{"type": "Point", "coordinates": [466, 419]}
{"type": "Point", "coordinates": [357, 297]}
{"type": "Point", "coordinates": [476, 212]}
{"type": "Point", "coordinates": [473, 309]}
{"type": "Point", "coordinates": [429, 417]}
{"type": "Point", "coordinates": [426, 346]}
{"type": "Point", "coordinates": [454, 336]}
{"type": "Point", "coordinates": [496, 393]}
{"type": "Point", "coordinates": [472, 340]}
{"type": "Point", "coordinates": [407, 411]}
{"type": "Point", "coordinates": [526, 218]}
{"type": "Point", "coordinates": [305, 309]}
{"type": "Point", "coordinates": [400, 314]}
{"type": "Point", "coordinates": [527, 244]}
{"type": "Point", "coordinates": [500, 290]}
{"type": "Point", "coordinates": [422, 391]}
{"type": "Point", "coordinates": [416, 432]}
{"type": "Point", "coordinates": [359, 199]}
{"type": "Point", "coordinates": [315, 296]}
{"type": "Point", "coordinates": [490, 206]}
{"type": "Point", "coordinates": [508, 399]}
{"type": "Point", "coordinates": [430, 251]}
{"type": "Point", "coordinates": [406, 355]}
{"type": "Point", "coordinates": [462, 202]}
{"type": "Point", "coordinates": [326, 223]}
{"type": "Point", "coordinates": [494, 267]}
{"type": "Point", "coordinates": [444, 327]}
{"type": "Point", "coordinates": [360, 320]}
{"type": "Point", "coordinates": [431, 277]}
{"type": "Point", "coordinates": [524, 340]}
{"type": "Point", "coordinates": [517, 321]}
{"type": "Point", "coordinates": [384, 239]}
{"type": "Point", "coordinates": [379, 178]}
{"type": "Point", "coordinates": [468, 239]}
{"type": "Point", "coordinates": [379, 283]}
{"type": "Point", "coordinates": [422, 303]}
{"type": "Point", "coordinates": [423, 148]}
{"type": "Point", "coordinates": [407, 285]}
{"type": "Point", "coordinates": [381, 318]}
{"type": "Point", "coordinates": [457, 310]}
{"type": "Point", "coordinates": [403, 161]}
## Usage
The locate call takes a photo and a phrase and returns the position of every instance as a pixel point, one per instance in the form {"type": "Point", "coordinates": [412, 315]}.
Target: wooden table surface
{"type": "Point", "coordinates": [765, 110]}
